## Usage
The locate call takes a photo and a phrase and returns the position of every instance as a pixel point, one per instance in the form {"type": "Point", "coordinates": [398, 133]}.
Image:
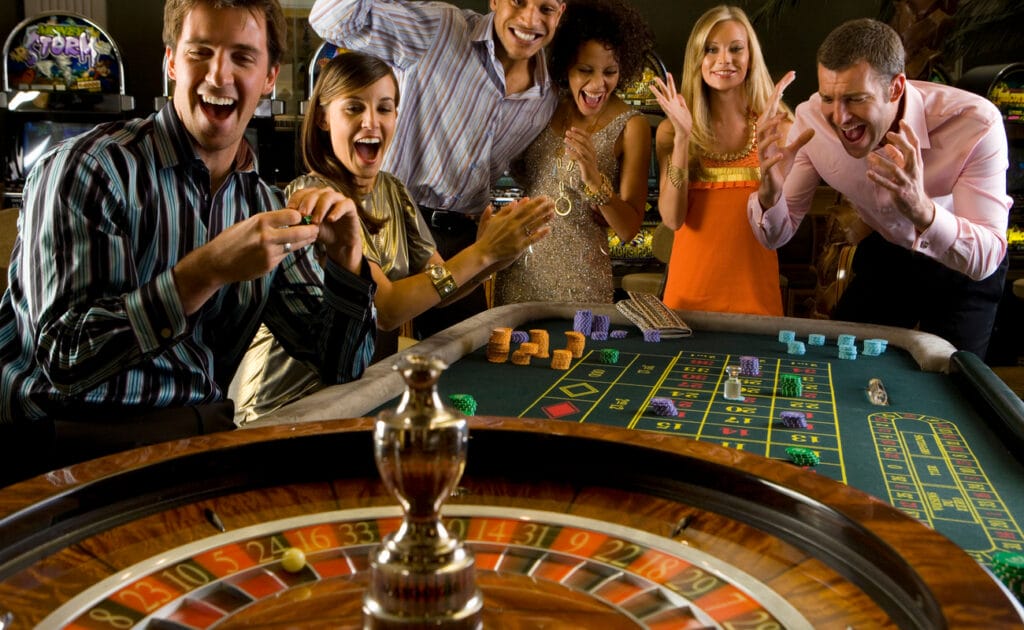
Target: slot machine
{"type": "Point", "coordinates": [62, 75]}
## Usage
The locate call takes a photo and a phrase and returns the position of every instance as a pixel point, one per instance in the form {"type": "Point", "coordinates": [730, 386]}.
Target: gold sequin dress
{"type": "Point", "coordinates": [572, 263]}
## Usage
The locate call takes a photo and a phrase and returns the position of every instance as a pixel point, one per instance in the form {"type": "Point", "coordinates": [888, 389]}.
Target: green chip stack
{"type": "Point", "coordinates": [464, 403]}
{"type": "Point", "coordinates": [791, 385]}
{"type": "Point", "coordinates": [609, 355]}
{"type": "Point", "coordinates": [802, 456]}
{"type": "Point", "coordinates": [1009, 568]}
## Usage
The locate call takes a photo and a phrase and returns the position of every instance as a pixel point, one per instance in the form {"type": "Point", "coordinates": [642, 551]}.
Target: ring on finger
{"type": "Point", "coordinates": [287, 248]}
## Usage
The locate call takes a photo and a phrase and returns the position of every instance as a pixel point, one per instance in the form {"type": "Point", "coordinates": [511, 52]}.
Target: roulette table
{"type": "Point", "coordinates": [583, 523]}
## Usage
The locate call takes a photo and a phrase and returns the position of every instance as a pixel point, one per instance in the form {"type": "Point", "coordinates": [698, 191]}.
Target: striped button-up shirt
{"type": "Point", "coordinates": [457, 130]}
{"type": "Point", "coordinates": [92, 319]}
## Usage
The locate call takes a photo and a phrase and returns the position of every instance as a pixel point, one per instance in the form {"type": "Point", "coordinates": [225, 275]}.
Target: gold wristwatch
{"type": "Point", "coordinates": [443, 281]}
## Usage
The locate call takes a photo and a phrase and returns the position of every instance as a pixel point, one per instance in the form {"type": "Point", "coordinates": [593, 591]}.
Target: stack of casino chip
{"type": "Point", "coordinates": [793, 419]}
{"type": "Point", "coordinates": [848, 352]}
{"type": "Point", "coordinates": [750, 366]}
{"type": "Point", "coordinates": [802, 456]}
{"type": "Point", "coordinates": [522, 354]}
{"type": "Point", "coordinates": [539, 336]}
{"type": "Point", "coordinates": [583, 321]}
{"type": "Point", "coordinates": [1009, 568]}
{"type": "Point", "coordinates": [464, 403]}
{"type": "Point", "coordinates": [796, 347]}
{"type": "Point", "coordinates": [575, 341]}
{"type": "Point", "coordinates": [815, 339]}
{"type": "Point", "coordinates": [618, 333]}
{"type": "Point", "coordinates": [609, 355]}
{"type": "Point", "coordinates": [652, 335]}
{"type": "Point", "coordinates": [785, 336]}
{"type": "Point", "coordinates": [847, 340]}
{"type": "Point", "coordinates": [561, 359]}
{"type": "Point", "coordinates": [791, 385]}
{"type": "Point", "coordinates": [520, 336]}
{"type": "Point", "coordinates": [875, 347]}
{"type": "Point", "coordinates": [599, 329]}
{"type": "Point", "coordinates": [663, 407]}
{"type": "Point", "coordinates": [499, 345]}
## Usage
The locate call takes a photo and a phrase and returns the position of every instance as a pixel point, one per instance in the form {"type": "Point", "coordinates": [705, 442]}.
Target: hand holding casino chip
{"type": "Point", "coordinates": [340, 231]}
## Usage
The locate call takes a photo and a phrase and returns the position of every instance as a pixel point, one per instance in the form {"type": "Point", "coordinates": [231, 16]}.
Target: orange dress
{"type": "Point", "coordinates": [716, 263]}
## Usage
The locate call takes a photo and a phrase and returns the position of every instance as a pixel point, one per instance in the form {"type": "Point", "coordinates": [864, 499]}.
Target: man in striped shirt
{"type": "Point", "coordinates": [150, 251]}
{"type": "Point", "coordinates": [475, 92]}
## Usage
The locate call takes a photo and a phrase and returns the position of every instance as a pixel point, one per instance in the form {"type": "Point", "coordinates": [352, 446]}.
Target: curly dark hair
{"type": "Point", "coordinates": [615, 23]}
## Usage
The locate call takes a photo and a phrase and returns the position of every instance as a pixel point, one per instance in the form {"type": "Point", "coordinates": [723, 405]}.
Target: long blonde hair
{"type": "Point", "coordinates": [758, 82]}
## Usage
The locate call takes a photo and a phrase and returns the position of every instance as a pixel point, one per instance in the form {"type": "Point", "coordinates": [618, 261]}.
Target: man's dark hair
{"type": "Point", "coordinates": [176, 10]}
{"type": "Point", "coordinates": [864, 40]}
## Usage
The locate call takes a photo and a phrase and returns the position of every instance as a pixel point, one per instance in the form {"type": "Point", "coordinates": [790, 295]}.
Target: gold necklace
{"type": "Point", "coordinates": [735, 155]}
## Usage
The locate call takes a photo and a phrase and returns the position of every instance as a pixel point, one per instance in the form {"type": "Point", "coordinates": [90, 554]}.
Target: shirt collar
{"type": "Point", "coordinates": [914, 114]}
{"type": "Point", "coordinates": [174, 143]}
{"type": "Point", "coordinates": [482, 34]}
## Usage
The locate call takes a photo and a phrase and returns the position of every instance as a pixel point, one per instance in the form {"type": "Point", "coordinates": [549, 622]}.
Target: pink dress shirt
{"type": "Point", "coordinates": [963, 145]}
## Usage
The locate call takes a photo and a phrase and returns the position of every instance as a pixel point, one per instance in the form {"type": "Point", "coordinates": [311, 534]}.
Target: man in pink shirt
{"type": "Point", "coordinates": [924, 165]}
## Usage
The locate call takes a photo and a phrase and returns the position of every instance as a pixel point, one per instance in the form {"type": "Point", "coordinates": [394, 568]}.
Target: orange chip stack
{"type": "Point", "coordinates": [539, 336]}
{"type": "Point", "coordinates": [498, 346]}
{"type": "Point", "coordinates": [576, 342]}
{"type": "Point", "coordinates": [529, 348]}
{"type": "Point", "coordinates": [521, 357]}
{"type": "Point", "coordinates": [561, 359]}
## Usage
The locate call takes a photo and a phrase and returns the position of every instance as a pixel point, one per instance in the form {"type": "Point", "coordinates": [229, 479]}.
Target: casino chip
{"type": "Point", "coordinates": [802, 456]}
{"type": "Point", "coordinates": [791, 385]}
{"type": "Point", "coordinates": [464, 403]}
{"type": "Point", "coordinates": [575, 342]}
{"type": "Point", "coordinates": [609, 355]}
{"type": "Point", "coordinates": [750, 366]}
{"type": "Point", "coordinates": [796, 347]}
{"type": "Point", "coordinates": [539, 336]}
{"type": "Point", "coordinates": [618, 333]}
{"type": "Point", "coordinates": [583, 321]}
{"type": "Point", "coordinates": [664, 407]}
{"type": "Point", "coordinates": [520, 336]}
{"type": "Point", "coordinates": [785, 336]}
{"type": "Point", "coordinates": [815, 339]}
{"type": "Point", "coordinates": [1009, 568]}
{"type": "Point", "coordinates": [652, 335]}
{"type": "Point", "coordinates": [794, 419]}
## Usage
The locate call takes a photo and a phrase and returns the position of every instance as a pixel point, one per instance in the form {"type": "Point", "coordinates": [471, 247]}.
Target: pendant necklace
{"type": "Point", "coordinates": [565, 171]}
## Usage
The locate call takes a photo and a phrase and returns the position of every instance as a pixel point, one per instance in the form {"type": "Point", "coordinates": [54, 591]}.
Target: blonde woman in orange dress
{"type": "Point", "coordinates": [707, 155]}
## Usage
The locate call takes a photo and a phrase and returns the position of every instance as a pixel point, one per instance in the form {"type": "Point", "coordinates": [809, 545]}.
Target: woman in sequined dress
{"type": "Point", "coordinates": [350, 123]}
{"type": "Point", "coordinates": [707, 155]}
{"type": "Point", "coordinates": [593, 158]}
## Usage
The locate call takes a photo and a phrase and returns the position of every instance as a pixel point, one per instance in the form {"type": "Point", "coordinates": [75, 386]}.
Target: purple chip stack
{"type": "Point", "coordinates": [618, 333]}
{"type": "Point", "coordinates": [663, 407]}
{"type": "Point", "coordinates": [520, 336]}
{"type": "Point", "coordinates": [750, 366]}
{"type": "Point", "coordinates": [652, 334]}
{"type": "Point", "coordinates": [583, 321]}
{"type": "Point", "coordinates": [794, 419]}
{"type": "Point", "coordinates": [601, 323]}
{"type": "Point", "coordinates": [599, 335]}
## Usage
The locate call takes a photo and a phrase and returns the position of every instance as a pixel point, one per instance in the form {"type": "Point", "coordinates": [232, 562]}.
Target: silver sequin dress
{"type": "Point", "coordinates": [571, 263]}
